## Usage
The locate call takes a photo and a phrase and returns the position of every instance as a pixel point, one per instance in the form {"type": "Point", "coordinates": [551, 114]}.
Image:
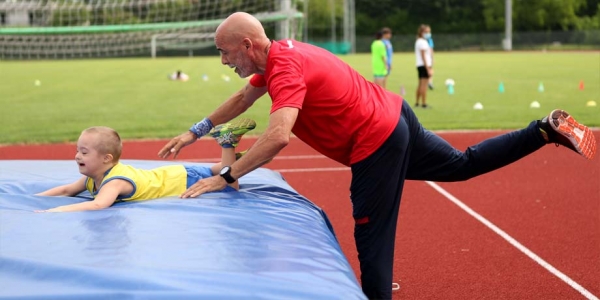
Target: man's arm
{"type": "Point", "coordinates": [106, 197]}
{"type": "Point", "coordinates": [382, 52]}
{"type": "Point", "coordinates": [427, 67]}
{"type": "Point", "coordinates": [385, 59]}
{"type": "Point", "coordinates": [69, 190]}
{"type": "Point", "coordinates": [275, 138]}
{"type": "Point", "coordinates": [268, 145]}
{"type": "Point", "coordinates": [238, 103]}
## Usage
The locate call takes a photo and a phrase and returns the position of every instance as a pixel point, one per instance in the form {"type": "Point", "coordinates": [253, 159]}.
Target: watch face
{"type": "Point", "coordinates": [225, 170]}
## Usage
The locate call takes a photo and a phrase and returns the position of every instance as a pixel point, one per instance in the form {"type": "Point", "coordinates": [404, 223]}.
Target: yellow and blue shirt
{"type": "Point", "coordinates": [160, 182]}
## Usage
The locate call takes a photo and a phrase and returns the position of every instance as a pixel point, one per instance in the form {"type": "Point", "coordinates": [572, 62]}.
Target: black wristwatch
{"type": "Point", "coordinates": [226, 174]}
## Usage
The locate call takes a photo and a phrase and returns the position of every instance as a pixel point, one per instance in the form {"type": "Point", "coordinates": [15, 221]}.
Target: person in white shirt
{"type": "Point", "coordinates": [423, 60]}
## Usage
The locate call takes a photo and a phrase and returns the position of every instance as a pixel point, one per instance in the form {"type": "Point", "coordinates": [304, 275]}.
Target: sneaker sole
{"type": "Point", "coordinates": [579, 135]}
{"type": "Point", "coordinates": [239, 155]}
{"type": "Point", "coordinates": [238, 127]}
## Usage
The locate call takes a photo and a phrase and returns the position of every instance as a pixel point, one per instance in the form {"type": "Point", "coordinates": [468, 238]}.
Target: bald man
{"type": "Point", "coordinates": [335, 110]}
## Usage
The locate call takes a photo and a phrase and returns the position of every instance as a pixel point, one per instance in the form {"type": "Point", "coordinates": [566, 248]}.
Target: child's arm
{"type": "Point", "coordinates": [69, 190]}
{"type": "Point", "coordinates": [106, 197]}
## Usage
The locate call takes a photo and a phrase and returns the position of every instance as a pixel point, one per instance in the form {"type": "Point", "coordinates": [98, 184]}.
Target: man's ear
{"type": "Point", "coordinates": [247, 42]}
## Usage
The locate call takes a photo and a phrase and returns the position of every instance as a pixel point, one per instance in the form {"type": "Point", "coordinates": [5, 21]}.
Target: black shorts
{"type": "Point", "coordinates": [422, 72]}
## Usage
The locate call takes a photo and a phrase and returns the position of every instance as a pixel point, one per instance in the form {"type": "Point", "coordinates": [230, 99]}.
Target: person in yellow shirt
{"type": "Point", "coordinates": [108, 180]}
{"type": "Point", "coordinates": [379, 60]}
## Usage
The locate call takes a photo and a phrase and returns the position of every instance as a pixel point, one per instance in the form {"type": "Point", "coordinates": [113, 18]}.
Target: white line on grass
{"type": "Point", "coordinates": [514, 242]}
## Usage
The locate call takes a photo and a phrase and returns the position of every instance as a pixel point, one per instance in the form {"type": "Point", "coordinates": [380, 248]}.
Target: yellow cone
{"type": "Point", "coordinates": [591, 103]}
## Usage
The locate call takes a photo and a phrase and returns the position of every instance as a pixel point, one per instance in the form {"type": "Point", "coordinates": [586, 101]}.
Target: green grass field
{"type": "Point", "coordinates": [134, 96]}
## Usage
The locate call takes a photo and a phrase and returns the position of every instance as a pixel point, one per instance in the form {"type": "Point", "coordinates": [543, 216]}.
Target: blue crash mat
{"type": "Point", "coordinates": [264, 242]}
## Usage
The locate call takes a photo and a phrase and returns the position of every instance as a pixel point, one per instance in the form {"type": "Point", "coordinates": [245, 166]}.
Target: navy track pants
{"type": "Point", "coordinates": [414, 153]}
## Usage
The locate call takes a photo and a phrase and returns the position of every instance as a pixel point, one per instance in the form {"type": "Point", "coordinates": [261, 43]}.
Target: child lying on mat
{"type": "Point", "coordinates": [108, 180]}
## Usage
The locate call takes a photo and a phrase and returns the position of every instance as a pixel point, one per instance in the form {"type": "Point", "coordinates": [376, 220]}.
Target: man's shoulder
{"type": "Point", "coordinates": [296, 53]}
{"type": "Point", "coordinates": [287, 44]}
{"type": "Point", "coordinates": [288, 48]}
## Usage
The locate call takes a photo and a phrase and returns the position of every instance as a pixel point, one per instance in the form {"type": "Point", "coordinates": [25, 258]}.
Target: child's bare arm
{"type": "Point", "coordinates": [69, 190]}
{"type": "Point", "coordinates": [106, 197]}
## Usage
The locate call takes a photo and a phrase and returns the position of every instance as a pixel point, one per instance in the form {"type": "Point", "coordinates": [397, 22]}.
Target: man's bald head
{"type": "Point", "coordinates": [241, 25]}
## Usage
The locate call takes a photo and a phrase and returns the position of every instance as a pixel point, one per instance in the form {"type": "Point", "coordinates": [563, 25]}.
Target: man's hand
{"type": "Point", "coordinates": [175, 145]}
{"type": "Point", "coordinates": [211, 184]}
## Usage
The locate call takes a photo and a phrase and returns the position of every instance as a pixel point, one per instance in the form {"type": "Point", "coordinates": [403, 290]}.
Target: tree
{"type": "Point", "coordinates": [546, 14]}
{"type": "Point", "coordinates": [319, 14]}
{"type": "Point", "coordinates": [464, 16]}
{"type": "Point", "coordinates": [532, 15]}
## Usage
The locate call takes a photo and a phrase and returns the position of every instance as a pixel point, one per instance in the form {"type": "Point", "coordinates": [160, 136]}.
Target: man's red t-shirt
{"type": "Point", "coordinates": [342, 115]}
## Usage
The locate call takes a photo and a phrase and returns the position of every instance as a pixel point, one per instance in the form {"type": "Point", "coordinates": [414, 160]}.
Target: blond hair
{"type": "Point", "coordinates": [108, 142]}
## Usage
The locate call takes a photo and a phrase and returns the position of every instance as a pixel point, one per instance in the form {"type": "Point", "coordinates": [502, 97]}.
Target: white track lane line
{"type": "Point", "coordinates": [514, 242]}
{"type": "Point", "coordinates": [279, 157]}
{"type": "Point", "coordinates": [312, 170]}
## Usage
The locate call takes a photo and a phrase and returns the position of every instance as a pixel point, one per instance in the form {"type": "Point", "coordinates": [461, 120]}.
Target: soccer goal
{"type": "Point", "coordinates": [63, 29]}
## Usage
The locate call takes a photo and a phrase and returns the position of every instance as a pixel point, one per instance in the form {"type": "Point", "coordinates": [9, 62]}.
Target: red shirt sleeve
{"type": "Point", "coordinates": [258, 80]}
{"type": "Point", "coordinates": [286, 83]}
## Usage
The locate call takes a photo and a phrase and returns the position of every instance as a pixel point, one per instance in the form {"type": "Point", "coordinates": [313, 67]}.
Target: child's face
{"type": "Point", "coordinates": [90, 161]}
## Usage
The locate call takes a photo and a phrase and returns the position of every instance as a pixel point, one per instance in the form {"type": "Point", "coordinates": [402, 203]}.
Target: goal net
{"type": "Point", "coordinates": [53, 29]}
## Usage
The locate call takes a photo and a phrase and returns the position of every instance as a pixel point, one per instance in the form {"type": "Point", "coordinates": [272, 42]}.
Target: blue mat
{"type": "Point", "coordinates": [264, 242]}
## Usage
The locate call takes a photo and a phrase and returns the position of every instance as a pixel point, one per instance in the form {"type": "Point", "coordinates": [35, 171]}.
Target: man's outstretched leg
{"type": "Point", "coordinates": [432, 158]}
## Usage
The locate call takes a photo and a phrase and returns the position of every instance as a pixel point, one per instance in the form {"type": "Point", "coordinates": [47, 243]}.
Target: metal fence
{"type": "Point", "coordinates": [551, 40]}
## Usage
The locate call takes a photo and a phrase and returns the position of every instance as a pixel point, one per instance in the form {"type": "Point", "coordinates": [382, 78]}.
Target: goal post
{"type": "Point", "coordinates": [287, 26]}
{"type": "Point", "coordinates": [47, 29]}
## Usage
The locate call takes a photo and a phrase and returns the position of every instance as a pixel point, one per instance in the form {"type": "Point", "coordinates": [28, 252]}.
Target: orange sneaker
{"type": "Point", "coordinates": [569, 133]}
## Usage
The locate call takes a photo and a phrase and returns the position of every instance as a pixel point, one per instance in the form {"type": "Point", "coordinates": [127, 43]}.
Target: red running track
{"type": "Point", "coordinates": [549, 203]}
